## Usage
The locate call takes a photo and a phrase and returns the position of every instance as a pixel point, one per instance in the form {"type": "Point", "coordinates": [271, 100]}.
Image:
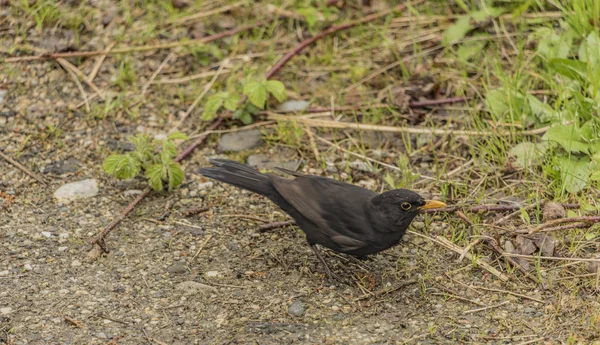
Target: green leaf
{"type": "Point", "coordinates": [589, 50]}
{"type": "Point", "coordinates": [277, 89]}
{"type": "Point", "coordinates": [212, 105]}
{"type": "Point", "coordinates": [590, 236]}
{"type": "Point", "coordinates": [169, 149]}
{"type": "Point", "coordinates": [527, 154]}
{"type": "Point", "coordinates": [311, 15]}
{"type": "Point", "coordinates": [457, 31]}
{"type": "Point", "coordinates": [595, 176]}
{"type": "Point", "coordinates": [154, 174]}
{"type": "Point", "coordinates": [574, 173]}
{"type": "Point", "coordinates": [542, 111]}
{"type": "Point", "coordinates": [567, 136]}
{"type": "Point", "coordinates": [175, 175]}
{"type": "Point", "coordinates": [257, 93]}
{"type": "Point", "coordinates": [571, 69]}
{"type": "Point", "coordinates": [469, 50]}
{"type": "Point", "coordinates": [389, 179]}
{"type": "Point", "coordinates": [232, 102]}
{"type": "Point", "coordinates": [111, 163]}
{"type": "Point", "coordinates": [122, 166]}
{"type": "Point", "coordinates": [552, 45]}
{"type": "Point", "coordinates": [496, 102]}
{"type": "Point", "coordinates": [177, 135]}
{"type": "Point", "coordinates": [245, 117]}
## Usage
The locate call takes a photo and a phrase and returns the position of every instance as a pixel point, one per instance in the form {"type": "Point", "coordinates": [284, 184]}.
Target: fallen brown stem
{"type": "Point", "coordinates": [275, 225]}
{"type": "Point", "coordinates": [421, 104]}
{"type": "Point", "coordinates": [330, 31]}
{"type": "Point", "coordinates": [22, 168]}
{"type": "Point", "coordinates": [488, 208]}
{"type": "Point", "coordinates": [441, 101]}
{"type": "Point", "coordinates": [138, 49]}
{"type": "Point", "coordinates": [492, 243]}
{"type": "Point", "coordinates": [545, 227]}
{"type": "Point", "coordinates": [386, 290]}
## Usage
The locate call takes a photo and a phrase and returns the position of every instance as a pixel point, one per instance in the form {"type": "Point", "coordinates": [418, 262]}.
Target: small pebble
{"type": "Point", "coordinates": [296, 309]}
{"type": "Point", "coordinates": [75, 263]}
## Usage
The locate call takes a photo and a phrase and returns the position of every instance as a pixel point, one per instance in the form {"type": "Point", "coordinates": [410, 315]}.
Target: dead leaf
{"type": "Point", "coordinates": [546, 243]}
{"type": "Point", "coordinates": [525, 245]}
{"type": "Point", "coordinates": [553, 210]}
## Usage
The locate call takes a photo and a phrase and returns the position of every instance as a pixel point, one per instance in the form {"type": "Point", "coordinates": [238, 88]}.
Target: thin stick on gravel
{"type": "Point", "coordinates": [207, 87]}
{"type": "Point", "coordinates": [485, 308]}
{"type": "Point", "coordinates": [386, 290]}
{"type": "Point", "coordinates": [100, 61]}
{"type": "Point", "coordinates": [126, 50]}
{"type": "Point", "coordinates": [70, 67]}
{"type": "Point", "coordinates": [492, 243]}
{"type": "Point", "coordinates": [158, 70]}
{"type": "Point", "coordinates": [508, 292]}
{"type": "Point", "coordinates": [23, 169]}
{"type": "Point", "coordinates": [201, 247]}
{"type": "Point", "coordinates": [548, 225]}
{"type": "Point", "coordinates": [515, 213]}
{"type": "Point", "coordinates": [76, 80]}
{"type": "Point", "coordinates": [446, 243]}
{"type": "Point", "coordinates": [391, 129]}
{"type": "Point", "coordinates": [422, 104]}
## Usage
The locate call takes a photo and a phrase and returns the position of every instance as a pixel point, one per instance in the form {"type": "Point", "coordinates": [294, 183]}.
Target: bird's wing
{"type": "Point", "coordinates": [337, 208]}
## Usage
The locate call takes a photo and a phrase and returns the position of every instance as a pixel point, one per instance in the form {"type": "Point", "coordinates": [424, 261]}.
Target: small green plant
{"type": "Point", "coordinates": [573, 139]}
{"type": "Point", "coordinates": [256, 90]}
{"type": "Point", "coordinates": [154, 158]}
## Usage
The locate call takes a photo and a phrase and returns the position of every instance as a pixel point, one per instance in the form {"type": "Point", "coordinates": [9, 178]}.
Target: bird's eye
{"type": "Point", "coordinates": [406, 206]}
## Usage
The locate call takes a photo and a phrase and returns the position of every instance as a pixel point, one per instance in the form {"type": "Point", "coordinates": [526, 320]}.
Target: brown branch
{"type": "Point", "coordinates": [275, 225]}
{"type": "Point", "coordinates": [492, 243]}
{"type": "Point", "coordinates": [549, 226]}
{"type": "Point", "coordinates": [422, 104]}
{"type": "Point", "coordinates": [487, 208]}
{"type": "Point", "coordinates": [330, 31]}
{"type": "Point", "coordinates": [23, 168]}
{"type": "Point", "coordinates": [441, 101]}
{"type": "Point", "coordinates": [140, 48]}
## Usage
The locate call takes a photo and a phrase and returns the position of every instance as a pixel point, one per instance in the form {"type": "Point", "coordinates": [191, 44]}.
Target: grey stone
{"type": "Point", "coordinates": [553, 210]}
{"type": "Point", "coordinates": [525, 245]}
{"type": "Point", "coordinates": [509, 247]}
{"type": "Point", "coordinates": [263, 161]}
{"type": "Point", "coordinates": [293, 105]}
{"type": "Point", "coordinates": [62, 167]}
{"type": "Point", "coordinates": [192, 288]}
{"type": "Point", "coordinates": [77, 190]}
{"type": "Point", "coordinates": [177, 268]}
{"type": "Point", "coordinates": [529, 310]}
{"type": "Point", "coordinates": [240, 141]}
{"type": "Point", "coordinates": [296, 309]}
{"type": "Point", "coordinates": [546, 243]}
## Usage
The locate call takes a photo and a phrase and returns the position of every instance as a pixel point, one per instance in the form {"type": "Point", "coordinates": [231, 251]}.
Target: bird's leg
{"type": "Point", "coordinates": [331, 275]}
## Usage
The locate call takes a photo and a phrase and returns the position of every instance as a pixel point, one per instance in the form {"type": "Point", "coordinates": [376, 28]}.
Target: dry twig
{"type": "Point", "coordinates": [23, 168]}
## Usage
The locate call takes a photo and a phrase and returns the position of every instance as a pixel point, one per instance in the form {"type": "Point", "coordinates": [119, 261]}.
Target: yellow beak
{"type": "Point", "coordinates": [432, 204]}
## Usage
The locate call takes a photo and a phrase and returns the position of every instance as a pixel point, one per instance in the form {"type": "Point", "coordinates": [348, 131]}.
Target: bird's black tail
{"type": "Point", "coordinates": [239, 175]}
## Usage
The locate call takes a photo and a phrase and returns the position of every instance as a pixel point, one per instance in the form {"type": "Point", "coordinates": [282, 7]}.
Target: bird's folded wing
{"type": "Point", "coordinates": [317, 200]}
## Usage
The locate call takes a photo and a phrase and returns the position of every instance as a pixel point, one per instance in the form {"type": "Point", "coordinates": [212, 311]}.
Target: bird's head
{"type": "Point", "coordinates": [401, 206]}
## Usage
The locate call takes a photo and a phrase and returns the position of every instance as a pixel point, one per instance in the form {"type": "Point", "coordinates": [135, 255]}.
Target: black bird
{"type": "Point", "coordinates": [340, 216]}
